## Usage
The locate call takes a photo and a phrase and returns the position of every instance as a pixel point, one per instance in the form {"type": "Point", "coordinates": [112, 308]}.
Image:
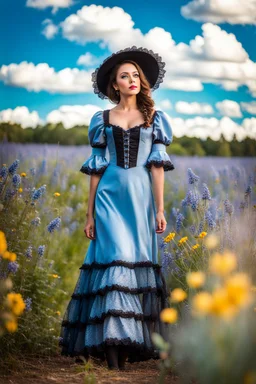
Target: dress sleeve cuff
{"type": "Point", "coordinates": [159, 158]}
{"type": "Point", "coordinates": [96, 164]}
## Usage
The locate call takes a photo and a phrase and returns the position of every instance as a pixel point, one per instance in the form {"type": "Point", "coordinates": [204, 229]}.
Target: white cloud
{"type": "Point", "coordinates": [22, 116]}
{"type": "Point", "coordinates": [41, 77]}
{"type": "Point", "coordinates": [71, 115]}
{"type": "Point", "coordinates": [221, 11]}
{"type": "Point", "coordinates": [202, 128]}
{"type": "Point", "coordinates": [87, 60]}
{"type": "Point", "coordinates": [249, 107]}
{"type": "Point", "coordinates": [165, 104]}
{"type": "Point", "coordinates": [229, 108]}
{"type": "Point", "coordinates": [50, 30]}
{"type": "Point", "coordinates": [55, 4]}
{"type": "Point", "coordinates": [193, 108]}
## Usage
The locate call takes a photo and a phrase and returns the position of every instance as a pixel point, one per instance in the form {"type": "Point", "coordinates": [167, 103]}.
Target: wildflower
{"type": "Point", "coordinates": [54, 224]}
{"type": "Point", "coordinates": [28, 302]}
{"type": "Point", "coordinates": [202, 303]}
{"type": "Point", "coordinates": [195, 246]}
{"type": "Point", "coordinates": [248, 191]}
{"type": "Point", "coordinates": [222, 264]}
{"type": "Point", "coordinates": [16, 303]}
{"type": "Point", "coordinates": [238, 289]}
{"type": "Point", "coordinates": [178, 295]}
{"type": "Point", "coordinates": [12, 256]}
{"type": "Point", "coordinates": [55, 276]}
{"type": "Point", "coordinates": [38, 192]}
{"type": "Point", "coordinates": [36, 222]}
{"type": "Point", "coordinates": [169, 237]}
{"type": "Point", "coordinates": [202, 235]}
{"type": "Point", "coordinates": [206, 193]}
{"type": "Point", "coordinates": [211, 241]}
{"type": "Point", "coordinates": [3, 243]}
{"type": "Point", "coordinates": [209, 219]}
{"type": "Point", "coordinates": [57, 194]}
{"type": "Point", "coordinates": [183, 240]}
{"type": "Point", "coordinates": [33, 171]}
{"type": "Point", "coordinates": [3, 172]}
{"type": "Point", "coordinates": [195, 279]}
{"type": "Point", "coordinates": [23, 174]}
{"type": "Point", "coordinates": [192, 178]}
{"type": "Point", "coordinates": [179, 220]}
{"type": "Point", "coordinates": [11, 325]}
{"type": "Point", "coordinates": [13, 266]}
{"type": "Point", "coordinates": [167, 260]}
{"type": "Point", "coordinates": [28, 252]}
{"type": "Point", "coordinates": [228, 207]}
{"type": "Point", "coordinates": [41, 250]}
{"type": "Point", "coordinates": [169, 315]}
{"type": "Point", "coordinates": [13, 167]}
{"type": "Point", "coordinates": [58, 313]}
{"type": "Point", "coordinates": [20, 190]}
{"type": "Point", "coordinates": [195, 199]}
{"type": "Point", "coordinates": [16, 180]}
{"type": "Point", "coordinates": [221, 305]}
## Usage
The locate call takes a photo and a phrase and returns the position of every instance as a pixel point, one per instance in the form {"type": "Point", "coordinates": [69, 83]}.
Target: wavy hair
{"type": "Point", "coordinates": [145, 102]}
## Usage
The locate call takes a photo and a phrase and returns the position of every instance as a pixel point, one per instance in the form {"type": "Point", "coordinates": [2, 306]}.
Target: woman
{"type": "Point", "coordinates": [121, 291]}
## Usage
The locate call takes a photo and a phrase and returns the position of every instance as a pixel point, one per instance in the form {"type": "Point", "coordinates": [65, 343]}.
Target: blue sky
{"type": "Point", "coordinates": [219, 65]}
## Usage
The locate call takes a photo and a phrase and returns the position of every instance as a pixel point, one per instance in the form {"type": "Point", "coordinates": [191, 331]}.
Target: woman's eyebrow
{"type": "Point", "coordinates": [128, 72]}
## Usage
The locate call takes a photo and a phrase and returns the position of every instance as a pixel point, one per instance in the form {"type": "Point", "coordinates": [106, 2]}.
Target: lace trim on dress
{"type": "Point", "coordinates": [93, 171]}
{"type": "Point", "coordinates": [121, 263]}
{"type": "Point", "coordinates": [166, 164]}
{"type": "Point", "coordinates": [116, 287]}
{"type": "Point", "coordinates": [158, 59]}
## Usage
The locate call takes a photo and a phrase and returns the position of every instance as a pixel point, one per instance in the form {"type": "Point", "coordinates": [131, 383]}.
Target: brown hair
{"type": "Point", "coordinates": [144, 101]}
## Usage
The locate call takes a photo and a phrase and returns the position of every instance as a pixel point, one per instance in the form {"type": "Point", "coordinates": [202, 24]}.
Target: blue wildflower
{"type": "Point", "coordinates": [13, 266]}
{"type": "Point", "coordinates": [55, 223]}
{"type": "Point", "coordinates": [200, 228]}
{"type": "Point", "coordinates": [195, 199]}
{"type": "Point", "coordinates": [33, 171]}
{"type": "Point", "coordinates": [16, 179]}
{"type": "Point", "coordinates": [38, 192]}
{"type": "Point", "coordinates": [206, 193]}
{"type": "Point", "coordinates": [248, 191]}
{"type": "Point", "coordinates": [209, 219]}
{"type": "Point", "coordinates": [162, 243]}
{"type": "Point", "coordinates": [28, 252]}
{"type": "Point", "coordinates": [28, 302]}
{"type": "Point", "coordinates": [229, 208]}
{"type": "Point", "coordinates": [3, 172]}
{"type": "Point", "coordinates": [179, 220]}
{"type": "Point", "coordinates": [192, 229]}
{"type": "Point", "coordinates": [192, 178]}
{"type": "Point", "coordinates": [13, 167]}
{"type": "Point", "coordinates": [166, 261]}
{"type": "Point", "coordinates": [41, 250]}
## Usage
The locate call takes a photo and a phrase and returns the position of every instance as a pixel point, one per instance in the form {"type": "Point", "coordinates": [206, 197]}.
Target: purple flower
{"type": "Point", "coordinates": [41, 250]}
{"type": "Point", "coordinates": [13, 167]}
{"type": "Point", "coordinates": [28, 252]}
{"type": "Point", "coordinates": [55, 223]}
{"type": "Point", "coordinates": [28, 302]}
{"type": "Point", "coordinates": [3, 172]}
{"type": "Point", "coordinates": [33, 171]}
{"type": "Point", "coordinates": [229, 208]}
{"type": "Point", "coordinates": [179, 220]}
{"type": "Point", "coordinates": [248, 191]}
{"type": "Point", "coordinates": [206, 193]}
{"type": "Point", "coordinates": [16, 179]}
{"type": "Point", "coordinates": [209, 219]}
{"type": "Point", "coordinates": [167, 261]}
{"type": "Point", "coordinates": [13, 266]}
{"type": "Point", "coordinates": [195, 199]}
{"type": "Point", "coordinates": [192, 178]}
{"type": "Point", "coordinates": [38, 192]}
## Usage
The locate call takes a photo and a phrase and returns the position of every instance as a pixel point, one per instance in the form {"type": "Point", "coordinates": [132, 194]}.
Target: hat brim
{"type": "Point", "coordinates": [151, 64]}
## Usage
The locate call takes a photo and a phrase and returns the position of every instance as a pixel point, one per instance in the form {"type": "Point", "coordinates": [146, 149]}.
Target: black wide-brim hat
{"type": "Point", "coordinates": [150, 62]}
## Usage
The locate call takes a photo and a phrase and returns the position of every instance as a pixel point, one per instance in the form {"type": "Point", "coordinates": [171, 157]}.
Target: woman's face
{"type": "Point", "coordinates": [127, 76]}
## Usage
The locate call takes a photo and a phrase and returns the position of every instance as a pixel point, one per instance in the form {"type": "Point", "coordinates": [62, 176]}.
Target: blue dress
{"type": "Point", "coordinates": [121, 290]}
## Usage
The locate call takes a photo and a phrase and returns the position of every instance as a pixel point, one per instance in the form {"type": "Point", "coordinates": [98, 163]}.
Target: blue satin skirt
{"type": "Point", "coordinates": [121, 290]}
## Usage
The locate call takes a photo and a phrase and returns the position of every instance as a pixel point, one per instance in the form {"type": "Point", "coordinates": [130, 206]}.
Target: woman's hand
{"type": "Point", "coordinates": [89, 228]}
{"type": "Point", "coordinates": [161, 222]}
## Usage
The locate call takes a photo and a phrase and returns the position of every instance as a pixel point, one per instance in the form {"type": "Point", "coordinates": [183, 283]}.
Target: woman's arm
{"type": "Point", "coordinates": [158, 189]}
{"type": "Point", "coordinates": [89, 228]}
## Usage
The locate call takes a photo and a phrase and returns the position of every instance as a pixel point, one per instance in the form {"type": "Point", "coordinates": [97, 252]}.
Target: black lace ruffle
{"type": "Point", "coordinates": [121, 263]}
{"type": "Point", "coordinates": [160, 63]}
{"type": "Point", "coordinates": [167, 165]}
{"type": "Point", "coordinates": [93, 171]}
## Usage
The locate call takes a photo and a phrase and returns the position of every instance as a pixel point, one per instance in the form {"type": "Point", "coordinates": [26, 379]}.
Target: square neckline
{"type": "Point", "coordinates": [106, 113]}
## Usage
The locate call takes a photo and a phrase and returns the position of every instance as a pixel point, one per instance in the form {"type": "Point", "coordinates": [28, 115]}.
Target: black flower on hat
{"type": "Point", "coordinates": [150, 62]}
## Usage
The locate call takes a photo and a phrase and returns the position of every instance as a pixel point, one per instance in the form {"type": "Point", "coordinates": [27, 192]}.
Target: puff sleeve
{"type": "Point", "coordinates": [97, 163]}
{"type": "Point", "coordinates": [162, 137]}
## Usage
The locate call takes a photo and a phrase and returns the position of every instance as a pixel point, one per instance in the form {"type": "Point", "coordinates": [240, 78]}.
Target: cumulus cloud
{"type": "Point", "coordinates": [249, 107]}
{"type": "Point", "coordinates": [216, 11]}
{"type": "Point", "coordinates": [229, 108]}
{"type": "Point", "coordinates": [165, 104]}
{"type": "Point", "coordinates": [50, 30]}
{"type": "Point", "coordinates": [193, 108]}
{"type": "Point", "coordinates": [54, 4]}
{"type": "Point", "coordinates": [22, 116]}
{"type": "Point", "coordinates": [87, 60]}
{"type": "Point", "coordinates": [71, 115]}
{"type": "Point", "coordinates": [41, 77]}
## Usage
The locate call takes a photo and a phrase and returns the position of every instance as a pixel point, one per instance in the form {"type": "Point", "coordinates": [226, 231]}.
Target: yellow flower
{"type": "Point", "coordinates": [23, 174]}
{"type": "Point", "coordinates": [238, 289]}
{"type": "Point", "coordinates": [6, 254]}
{"type": "Point", "coordinates": [55, 276]}
{"type": "Point", "coordinates": [20, 189]}
{"type": "Point", "coordinates": [11, 325]}
{"type": "Point", "coordinates": [195, 279]}
{"type": "Point", "coordinates": [221, 305]}
{"type": "Point", "coordinates": [182, 240]}
{"type": "Point", "coordinates": [217, 181]}
{"type": "Point", "coordinates": [178, 295]}
{"type": "Point", "coordinates": [3, 243]}
{"type": "Point", "coordinates": [58, 313]}
{"type": "Point", "coordinates": [195, 246]}
{"type": "Point", "coordinates": [169, 237]}
{"type": "Point", "coordinates": [56, 194]}
{"type": "Point", "coordinates": [202, 303]}
{"type": "Point", "coordinates": [16, 303]}
{"type": "Point", "coordinates": [202, 235]}
{"type": "Point", "coordinates": [222, 264]}
{"type": "Point", "coordinates": [12, 256]}
{"type": "Point", "coordinates": [211, 241]}
{"type": "Point", "coordinates": [169, 315]}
